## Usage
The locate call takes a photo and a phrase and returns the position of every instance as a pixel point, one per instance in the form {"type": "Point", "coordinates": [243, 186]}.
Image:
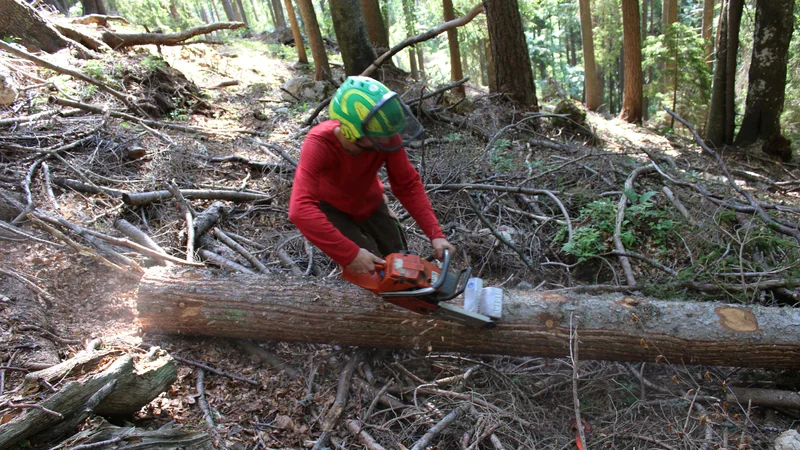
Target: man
{"type": "Point", "coordinates": [338, 202]}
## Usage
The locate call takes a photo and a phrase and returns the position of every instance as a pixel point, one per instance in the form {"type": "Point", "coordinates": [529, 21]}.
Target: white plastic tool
{"type": "Point", "coordinates": [472, 293]}
{"type": "Point", "coordinates": [490, 302]}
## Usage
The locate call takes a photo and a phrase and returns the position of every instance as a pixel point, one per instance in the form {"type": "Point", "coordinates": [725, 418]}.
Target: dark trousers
{"type": "Point", "coordinates": [381, 233]}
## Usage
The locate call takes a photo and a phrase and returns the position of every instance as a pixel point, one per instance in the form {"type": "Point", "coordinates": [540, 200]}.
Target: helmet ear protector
{"type": "Point", "coordinates": [365, 107]}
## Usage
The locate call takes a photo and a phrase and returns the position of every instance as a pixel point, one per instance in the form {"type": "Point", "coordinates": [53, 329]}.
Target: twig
{"type": "Point", "coordinates": [209, 368]}
{"type": "Point", "coordinates": [649, 261]}
{"type": "Point", "coordinates": [376, 399]}
{"type": "Point", "coordinates": [34, 406]}
{"type": "Point", "coordinates": [438, 91]}
{"type": "Point", "coordinates": [678, 205]}
{"type": "Point", "coordinates": [423, 442]}
{"type": "Point", "coordinates": [47, 297]}
{"type": "Point", "coordinates": [335, 413]}
{"type": "Point", "coordinates": [186, 210]}
{"type": "Point", "coordinates": [355, 427]}
{"type": "Point", "coordinates": [623, 200]}
{"type": "Point", "coordinates": [573, 350]}
{"type": "Point", "coordinates": [498, 235]}
{"type": "Point", "coordinates": [219, 234]}
{"type": "Point", "coordinates": [127, 100]}
{"type": "Point", "coordinates": [201, 399]}
{"type": "Point", "coordinates": [793, 231]}
{"type": "Point", "coordinates": [223, 262]}
{"type": "Point", "coordinates": [658, 443]}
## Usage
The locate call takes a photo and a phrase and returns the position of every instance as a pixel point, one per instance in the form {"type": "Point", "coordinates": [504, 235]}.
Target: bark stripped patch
{"type": "Point", "coordinates": [549, 297]}
{"type": "Point", "coordinates": [549, 320]}
{"type": "Point", "coordinates": [739, 320]}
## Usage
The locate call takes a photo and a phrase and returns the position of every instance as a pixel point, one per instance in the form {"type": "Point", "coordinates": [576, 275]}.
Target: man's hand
{"type": "Point", "coordinates": [364, 262]}
{"type": "Point", "coordinates": [439, 246]}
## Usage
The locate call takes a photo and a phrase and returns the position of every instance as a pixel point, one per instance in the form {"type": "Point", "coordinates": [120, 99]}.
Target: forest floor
{"type": "Point", "coordinates": [54, 301]}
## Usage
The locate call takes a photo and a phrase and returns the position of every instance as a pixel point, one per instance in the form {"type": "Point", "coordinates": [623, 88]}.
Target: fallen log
{"type": "Point", "coordinates": [612, 327]}
{"type": "Point", "coordinates": [122, 388]}
{"type": "Point", "coordinates": [121, 40]}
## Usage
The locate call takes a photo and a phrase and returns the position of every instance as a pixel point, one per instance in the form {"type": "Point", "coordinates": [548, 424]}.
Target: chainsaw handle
{"type": "Point", "coordinates": [428, 290]}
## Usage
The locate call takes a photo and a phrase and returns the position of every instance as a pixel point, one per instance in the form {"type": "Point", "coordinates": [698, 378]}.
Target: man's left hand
{"type": "Point", "coordinates": [439, 246]}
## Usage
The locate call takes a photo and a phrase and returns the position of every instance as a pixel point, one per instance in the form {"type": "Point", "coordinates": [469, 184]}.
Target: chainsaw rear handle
{"type": "Point", "coordinates": [428, 290]}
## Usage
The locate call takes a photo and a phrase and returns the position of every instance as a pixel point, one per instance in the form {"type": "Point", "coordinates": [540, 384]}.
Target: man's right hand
{"type": "Point", "coordinates": [364, 262]}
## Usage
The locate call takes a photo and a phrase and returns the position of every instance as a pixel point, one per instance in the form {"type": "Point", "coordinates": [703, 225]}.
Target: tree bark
{"type": "Point", "coordinates": [351, 34]}
{"type": "Point", "coordinates": [593, 97]}
{"type": "Point", "coordinates": [613, 327]}
{"type": "Point", "coordinates": [93, 7]}
{"type": "Point", "coordinates": [229, 12]}
{"type": "Point", "coordinates": [22, 21]}
{"type": "Point", "coordinates": [734, 20]}
{"type": "Point", "coordinates": [715, 123]}
{"type": "Point", "coordinates": [708, 26]}
{"type": "Point", "coordinates": [766, 87]}
{"type": "Point", "coordinates": [298, 36]}
{"type": "Point", "coordinates": [376, 27]}
{"type": "Point", "coordinates": [242, 13]}
{"type": "Point", "coordinates": [456, 70]}
{"type": "Point", "coordinates": [632, 46]}
{"type": "Point", "coordinates": [510, 57]}
{"type": "Point", "coordinates": [322, 70]}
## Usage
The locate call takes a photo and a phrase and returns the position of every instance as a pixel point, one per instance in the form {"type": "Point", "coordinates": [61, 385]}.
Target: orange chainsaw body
{"type": "Point", "coordinates": [402, 272]}
{"type": "Point", "coordinates": [419, 285]}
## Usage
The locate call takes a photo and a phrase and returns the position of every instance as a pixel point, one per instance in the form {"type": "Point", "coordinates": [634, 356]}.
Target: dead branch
{"type": "Point", "coordinates": [209, 368]}
{"type": "Point", "coordinates": [99, 19]}
{"type": "Point", "coordinates": [335, 413]}
{"type": "Point", "coordinates": [623, 201]}
{"type": "Point", "coordinates": [201, 400]}
{"type": "Point", "coordinates": [423, 442]}
{"type": "Point", "coordinates": [219, 234]}
{"type": "Point", "coordinates": [499, 235]}
{"type": "Point", "coordinates": [138, 236]}
{"type": "Point", "coordinates": [355, 427]}
{"type": "Point", "coordinates": [771, 398]}
{"type": "Point", "coordinates": [127, 100]}
{"type": "Point", "coordinates": [144, 198]}
{"type": "Point", "coordinates": [30, 285]}
{"type": "Point", "coordinates": [438, 91]}
{"type": "Point", "coordinates": [678, 205]}
{"type": "Point", "coordinates": [188, 214]}
{"type": "Point", "coordinates": [222, 262]}
{"type": "Point", "coordinates": [573, 351]}
{"type": "Point", "coordinates": [792, 230]}
{"type": "Point", "coordinates": [121, 40]}
{"type": "Point", "coordinates": [261, 356]}
{"type": "Point", "coordinates": [430, 34]}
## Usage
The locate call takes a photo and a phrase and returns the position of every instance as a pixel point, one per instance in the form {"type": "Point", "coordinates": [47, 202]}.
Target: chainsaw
{"type": "Point", "coordinates": [417, 284]}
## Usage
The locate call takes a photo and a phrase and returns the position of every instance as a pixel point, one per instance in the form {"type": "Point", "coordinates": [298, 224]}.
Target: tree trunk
{"type": "Point", "coordinates": [632, 46]}
{"type": "Point", "coordinates": [242, 13]}
{"type": "Point", "coordinates": [482, 63]}
{"type": "Point", "coordinates": [412, 58]}
{"type": "Point", "coordinates": [93, 7]}
{"type": "Point", "coordinates": [511, 61]}
{"type": "Point", "coordinates": [767, 78]}
{"type": "Point", "coordinates": [708, 26]}
{"type": "Point", "coordinates": [421, 61]}
{"type": "Point", "coordinates": [352, 36]}
{"type": "Point", "coordinates": [322, 70]}
{"type": "Point", "coordinates": [58, 6]}
{"type": "Point", "coordinates": [593, 97]}
{"type": "Point", "coordinates": [613, 327]}
{"type": "Point", "coordinates": [409, 21]}
{"type": "Point", "coordinates": [715, 122]}
{"type": "Point", "coordinates": [734, 20]}
{"type": "Point", "coordinates": [229, 12]}
{"type": "Point", "coordinates": [491, 75]}
{"type": "Point", "coordinates": [376, 28]}
{"type": "Point", "coordinates": [298, 37]}
{"type": "Point", "coordinates": [456, 70]}
{"type": "Point", "coordinates": [21, 21]}
{"type": "Point", "coordinates": [280, 19]}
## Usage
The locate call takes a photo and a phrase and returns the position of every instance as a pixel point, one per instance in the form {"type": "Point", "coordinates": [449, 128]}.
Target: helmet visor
{"type": "Point", "coordinates": [391, 125]}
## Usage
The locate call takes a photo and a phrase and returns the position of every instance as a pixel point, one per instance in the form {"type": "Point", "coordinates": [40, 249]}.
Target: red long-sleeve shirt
{"type": "Point", "coordinates": [327, 173]}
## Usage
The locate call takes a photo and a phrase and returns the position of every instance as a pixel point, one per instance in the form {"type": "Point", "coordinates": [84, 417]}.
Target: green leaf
{"type": "Point", "coordinates": [632, 195]}
{"type": "Point", "coordinates": [647, 196]}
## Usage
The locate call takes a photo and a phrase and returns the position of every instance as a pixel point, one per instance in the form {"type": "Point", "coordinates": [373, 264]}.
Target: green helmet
{"type": "Point", "coordinates": [365, 107]}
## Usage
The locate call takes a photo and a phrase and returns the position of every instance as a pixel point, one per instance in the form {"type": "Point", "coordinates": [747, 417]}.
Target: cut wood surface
{"type": "Point", "coordinates": [612, 327]}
